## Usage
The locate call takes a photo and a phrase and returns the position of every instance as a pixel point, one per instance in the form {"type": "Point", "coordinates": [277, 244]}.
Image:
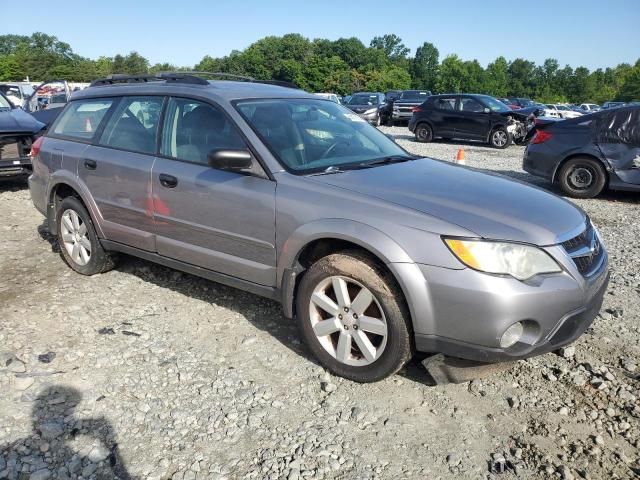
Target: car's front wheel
{"type": "Point", "coordinates": [582, 177]}
{"type": "Point", "coordinates": [353, 317]}
{"type": "Point", "coordinates": [500, 138]}
{"type": "Point", "coordinates": [79, 243]}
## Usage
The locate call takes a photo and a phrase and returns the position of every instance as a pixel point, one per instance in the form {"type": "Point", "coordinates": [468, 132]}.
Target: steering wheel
{"type": "Point", "coordinates": [332, 147]}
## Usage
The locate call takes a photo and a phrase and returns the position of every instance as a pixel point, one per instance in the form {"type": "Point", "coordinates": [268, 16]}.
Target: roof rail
{"type": "Point", "coordinates": [183, 77]}
{"type": "Point", "coordinates": [174, 77]}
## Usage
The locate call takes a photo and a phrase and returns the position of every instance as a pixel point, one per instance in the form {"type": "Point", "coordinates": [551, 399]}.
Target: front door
{"type": "Point", "coordinates": [219, 220]}
{"type": "Point", "coordinates": [473, 122]}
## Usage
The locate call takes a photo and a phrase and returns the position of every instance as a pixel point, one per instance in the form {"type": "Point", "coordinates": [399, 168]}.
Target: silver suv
{"type": "Point", "coordinates": [269, 189]}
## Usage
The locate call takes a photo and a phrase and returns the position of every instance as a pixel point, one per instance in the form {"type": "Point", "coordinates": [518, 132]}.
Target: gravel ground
{"type": "Point", "coordinates": [144, 372]}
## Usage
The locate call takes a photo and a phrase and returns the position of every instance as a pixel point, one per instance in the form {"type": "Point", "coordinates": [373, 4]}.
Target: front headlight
{"type": "Point", "coordinates": [370, 111]}
{"type": "Point", "coordinates": [515, 259]}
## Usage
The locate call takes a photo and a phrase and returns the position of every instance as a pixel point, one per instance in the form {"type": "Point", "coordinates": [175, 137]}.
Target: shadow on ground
{"type": "Point", "coordinates": [52, 445]}
{"type": "Point", "coordinates": [13, 183]}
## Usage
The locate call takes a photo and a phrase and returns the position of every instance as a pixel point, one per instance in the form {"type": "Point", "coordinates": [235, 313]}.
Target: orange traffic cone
{"type": "Point", "coordinates": [87, 125]}
{"type": "Point", "coordinates": [460, 157]}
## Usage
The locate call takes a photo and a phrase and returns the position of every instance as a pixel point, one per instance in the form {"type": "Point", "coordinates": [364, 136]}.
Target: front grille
{"type": "Point", "coordinates": [585, 250]}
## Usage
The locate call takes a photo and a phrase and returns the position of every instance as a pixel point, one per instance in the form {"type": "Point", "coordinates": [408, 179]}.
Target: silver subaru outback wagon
{"type": "Point", "coordinates": [374, 252]}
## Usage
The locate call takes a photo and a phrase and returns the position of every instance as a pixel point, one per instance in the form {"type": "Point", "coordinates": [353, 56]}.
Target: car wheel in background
{"type": "Point", "coordinates": [353, 317]}
{"type": "Point", "coordinates": [79, 244]}
{"type": "Point", "coordinates": [582, 177]}
{"type": "Point", "coordinates": [500, 138]}
{"type": "Point", "coordinates": [424, 133]}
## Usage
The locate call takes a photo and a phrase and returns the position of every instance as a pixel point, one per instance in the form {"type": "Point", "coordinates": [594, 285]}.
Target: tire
{"type": "Point", "coordinates": [500, 138]}
{"type": "Point", "coordinates": [582, 177]}
{"type": "Point", "coordinates": [337, 344]}
{"type": "Point", "coordinates": [424, 133]}
{"type": "Point", "coordinates": [74, 223]}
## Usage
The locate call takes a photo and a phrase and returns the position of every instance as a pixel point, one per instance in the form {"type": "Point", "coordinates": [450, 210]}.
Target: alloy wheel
{"type": "Point", "coordinates": [75, 237]}
{"type": "Point", "coordinates": [500, 138]}
{"type": "Point", "coordinates": [348, 321]}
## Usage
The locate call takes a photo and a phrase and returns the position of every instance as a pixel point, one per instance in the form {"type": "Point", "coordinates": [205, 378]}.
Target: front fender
{"type": "Point", "coordinates": [406, 272]}
{"type": "Point", "coordinates": [66, 177]}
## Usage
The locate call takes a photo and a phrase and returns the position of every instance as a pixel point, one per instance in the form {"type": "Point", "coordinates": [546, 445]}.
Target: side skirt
{"type": "Point", "coordinates": [268, 292]}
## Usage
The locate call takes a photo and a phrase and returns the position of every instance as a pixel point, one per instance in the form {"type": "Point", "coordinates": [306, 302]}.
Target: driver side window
{"type": "Point", "coordinates": [471, 105]}
{"type": "Point", "coordinates": [192, 129]}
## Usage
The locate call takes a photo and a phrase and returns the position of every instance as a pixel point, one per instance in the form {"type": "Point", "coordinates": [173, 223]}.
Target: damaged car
{"type": "Point", "coordinates": [18, 131]}
{"type": "Point", "coordinates": [469, 117]}
{"type": "Point", "coordinates": [588, 154]}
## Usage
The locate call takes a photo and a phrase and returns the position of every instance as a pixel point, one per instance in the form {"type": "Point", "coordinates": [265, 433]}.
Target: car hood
{"type": "Point", "coordinates": [17, 120]}
{"type": "Point", "coordinates": [491, 206]}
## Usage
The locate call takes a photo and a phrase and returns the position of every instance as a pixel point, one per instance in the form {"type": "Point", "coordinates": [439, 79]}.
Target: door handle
{"type": "Point", "coordinates": [168, 181]}
{"type": "Point", "coordinates": [90, 164]}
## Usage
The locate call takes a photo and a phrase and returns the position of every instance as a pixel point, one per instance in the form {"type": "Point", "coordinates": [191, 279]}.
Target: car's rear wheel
{"type": "Point", "coordinates": [424, 133]}
{"type": "Point", "coordinates": [353, 318]}
{"type": "Point", "coordinates": [79, 243]}
{"type": "Point", "coordinates": [500, 138]}
{"type": "Point", "coordinates": [582, 177]}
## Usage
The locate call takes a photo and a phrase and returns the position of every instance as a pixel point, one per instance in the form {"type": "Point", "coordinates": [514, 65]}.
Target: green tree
{"type": "Point", "coordinates": [391, 45]}
{"type": "Point", "coordinates": [496, 79]}
{"type": "Point", "coordinates": [424, 67]}
{"type": "Point", "coordinates": [451, 75]}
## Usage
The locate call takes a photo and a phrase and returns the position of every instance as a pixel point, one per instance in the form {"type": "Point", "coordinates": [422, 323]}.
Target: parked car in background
{"type": "Point", "coordinates": [20, 94]}
{"type": "Point", "coordinates": [329, 96]}
{"type": "Point", "coordinates": [613, 104]}
{"type": "Point", "coordinates": [509, 103]}
{"type": "Point", "coordinates": [564, 111]}
{"type": "Point", "coordinates": [589, 107]}
{"type": "Point", "coordinates": [375, 252]}
{"type": "Point", "coordinates": [521, 102]}
{"type": "Point", "coordinates": [18, 131]}
{"type": "Point", "coordinates": [370, 106]}
{"type": "Point", "coordinates": [406, 102]}
{"type": "Point", "coordinates": [464, 116]}
{"type": "Point", "coordinates": [588, 154]}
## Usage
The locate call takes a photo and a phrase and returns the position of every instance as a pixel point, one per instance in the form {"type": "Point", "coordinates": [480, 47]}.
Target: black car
{"type": "Point", "coordinates": [406, 102]}
{"type": "Point", "coordinates": [465, 116]}
{"type": "Point", "coordinates": [370, 106]}
{"type": "Point", "coordinates": [587, 154]}
{"type": "Point", "coordinates": [18, 130]}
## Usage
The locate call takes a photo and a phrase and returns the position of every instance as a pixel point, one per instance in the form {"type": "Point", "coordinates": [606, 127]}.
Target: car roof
{"type": "Point", "coordinates": [216, 89]}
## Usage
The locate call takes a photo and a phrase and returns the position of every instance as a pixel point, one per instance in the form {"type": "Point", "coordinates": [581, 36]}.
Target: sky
{"type": "Point", "coordinates": [591, 33]}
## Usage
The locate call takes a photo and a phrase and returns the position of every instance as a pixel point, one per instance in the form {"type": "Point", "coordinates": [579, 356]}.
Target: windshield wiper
{"type": "Point", "coordinates": [386, 161]}
{"type": "Point", "coordinates": [327, 171]}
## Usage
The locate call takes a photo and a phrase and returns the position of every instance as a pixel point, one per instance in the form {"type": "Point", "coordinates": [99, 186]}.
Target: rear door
{"type": "Point", "coordinates": [473, 122]}
{"type": "Point", "coordinates": [444, 116]}
{"type": "Point", "coordinates": [219, 220]}
{"type": "Point", "coordinates": [117, 170]}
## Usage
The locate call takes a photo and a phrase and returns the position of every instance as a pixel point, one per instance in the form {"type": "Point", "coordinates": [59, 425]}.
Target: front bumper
{"type": "Point", "coordinates": [471, 310]}
{"type": "Point", "coordinates": [369, 117]}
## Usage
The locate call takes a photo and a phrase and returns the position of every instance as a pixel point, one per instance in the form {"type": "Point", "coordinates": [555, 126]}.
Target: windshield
{"type": "Point", "coordinates": [364, 99]}
{"type": "Point", "coordinates": [309, 135]}
{"type": "Point", "coordinates": [4, 103]}
{"type": "Point", "coordinates": [494, 104]}
{"type": "Point", "coordinates": [414, 95]}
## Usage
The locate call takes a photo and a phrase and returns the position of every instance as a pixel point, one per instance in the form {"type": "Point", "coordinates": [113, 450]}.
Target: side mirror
{"type": "Point", "coordinates": [486, 110]}
{"type": "Point", "coordinates": [230, 160]}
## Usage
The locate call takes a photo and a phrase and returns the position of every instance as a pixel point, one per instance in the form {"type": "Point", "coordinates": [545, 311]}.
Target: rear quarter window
{"type": "Point", "coordinates": [82, 118]}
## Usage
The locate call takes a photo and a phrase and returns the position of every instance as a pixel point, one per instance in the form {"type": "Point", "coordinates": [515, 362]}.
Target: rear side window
{"type": "Point", "coordinates": [134, 125]}
{"type": "Point", "coordinates": [82, 118]}
{"type": "Point", "coordinates": [445, 103]}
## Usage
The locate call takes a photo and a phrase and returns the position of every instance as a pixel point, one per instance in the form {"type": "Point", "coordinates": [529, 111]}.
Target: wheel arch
{"type": "Point", "coordinates": [61, 187]}
{"type": "Point", "coordinates": [313, 241]}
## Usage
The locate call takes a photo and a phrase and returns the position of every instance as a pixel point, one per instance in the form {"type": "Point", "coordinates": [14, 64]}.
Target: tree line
{"type": "Point", "coordinates": [341, 66]}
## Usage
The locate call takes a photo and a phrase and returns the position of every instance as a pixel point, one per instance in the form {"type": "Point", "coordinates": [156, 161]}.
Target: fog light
{"type": "Point", "coordinates": [512, 335]}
